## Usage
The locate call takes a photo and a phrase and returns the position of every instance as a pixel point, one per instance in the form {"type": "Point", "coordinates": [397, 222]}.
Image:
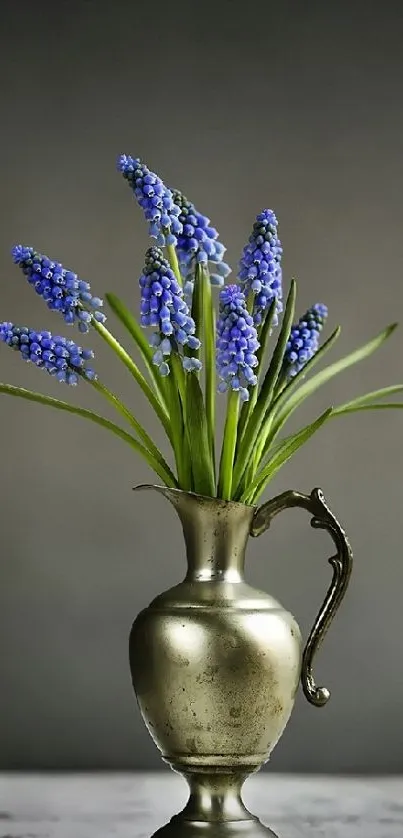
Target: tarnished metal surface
{"type": "Point", "coordinates": [215, 666]}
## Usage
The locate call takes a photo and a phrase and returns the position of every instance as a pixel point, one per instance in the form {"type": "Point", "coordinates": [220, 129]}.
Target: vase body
{"type": "Point", "coordinates": [215, 667]}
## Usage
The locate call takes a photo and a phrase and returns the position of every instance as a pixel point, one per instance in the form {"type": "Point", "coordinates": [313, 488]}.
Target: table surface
{"type": "Point", "coordinates": [135, 805]}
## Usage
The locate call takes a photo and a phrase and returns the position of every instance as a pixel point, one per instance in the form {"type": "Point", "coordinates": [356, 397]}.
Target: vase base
{"type": "Point", "coordinates": [180, 828]}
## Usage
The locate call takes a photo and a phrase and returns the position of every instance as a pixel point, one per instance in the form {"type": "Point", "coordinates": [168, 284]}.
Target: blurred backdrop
{"type": "Point", "coordinates": [294, 106]}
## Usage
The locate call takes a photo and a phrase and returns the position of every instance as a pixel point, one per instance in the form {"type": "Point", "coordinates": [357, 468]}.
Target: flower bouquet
{"type": "Point", "coordinates": [185, 357]}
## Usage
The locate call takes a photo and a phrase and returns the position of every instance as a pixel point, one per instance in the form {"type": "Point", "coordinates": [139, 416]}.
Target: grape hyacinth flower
{"type": "Point", "coordinates": [304, 339]}
{"type": "Point", "coordinates": [154, 198]}
{"type": "Point", "coordinates": [163, 306]}
{"type": "Point", "coordinates": [198, 243]}
{"type": "Point", "coordinates": [58, 356]}
{"type": "Point", "coordinates": [260, 266]}
{"type": "Point", "coordinates": [236, 343]}
{"type": "Point", "coordinates": [62, 290]}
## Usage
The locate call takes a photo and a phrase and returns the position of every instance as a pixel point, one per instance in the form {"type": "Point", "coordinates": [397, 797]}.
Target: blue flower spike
{"type": "Point", "coordinates": [198, 244]}
{"type": "Point", "coordinates": [304, 339]}
{"type": "Point", "coordinates": [237, 343]}
{"type": "Point", "coordinates": [60, 357]}
{"type": "Point", "coordinates": [154, 198]}
{"type": "Point", "coordinates": [62, 290]}
{"type": "Point", "coordinates": [260, 266]}
{"type": "Point", "coordinates": [164, 308]}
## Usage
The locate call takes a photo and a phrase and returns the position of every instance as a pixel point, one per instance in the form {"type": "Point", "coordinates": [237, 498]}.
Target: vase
{"type": "Point", "coordinates": [216, 664]}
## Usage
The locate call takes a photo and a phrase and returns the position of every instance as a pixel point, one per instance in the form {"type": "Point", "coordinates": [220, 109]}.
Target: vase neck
{"type": "Point", "coordinates": [216, 533]}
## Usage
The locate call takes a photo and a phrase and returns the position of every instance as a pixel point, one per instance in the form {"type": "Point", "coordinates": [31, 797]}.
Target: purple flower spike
{"type": "Point", "coordinates": [198, 243]}
{"type": "Point", "coordinates": [304, 339]}
{"type": "Point", "coordinates": [62, 290]}
{"type": "Point", "coordinates": [260, 266]}
{"type": "Point", "coordinates": [60, 357]}
{"type": "Point", "coordinates": [164, 308]}
{"type": "Point", "coordinates": [154, 198]}
{"type": "Point", "coordinates": [236, 343]}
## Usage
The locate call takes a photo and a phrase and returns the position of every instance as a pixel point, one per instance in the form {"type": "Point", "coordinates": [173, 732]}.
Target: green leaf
{"type": "Point", "coordinates": [178, 435]}
{"type": "Point", "coordinates": [264, 338]}
{"type": "Point", "coordinates": [343, 409]}
{"type": "Point", "coordinates": [178, 384]}
{"type": "Point", "coordinates": [137, 375]}
{"type": "Point", "coordinates": [355, 406]}
{"type": "Point", "coordinates": [138, 427]}
{"type": "Point", "coordinates": [361, 401]}
{"type": "Point", "coordinates": [228, 446]}
{"type": "Point", "coordinates": [295, 382]}
{"type": "Point", "coordinates": [247, 408]}
{"type": "Point", "coordinates": [276, 362]}
{"type": "Point", "coordinates": [130, 323]}
{"type": "Point", "coordinates": [264, 435]}
{"type": "Point", "coordinates": [197, 433]}
{"type": "Point", "coordinates": [286, 406]}
{"type": "Point", "coordinates": [282, 454]}
{"type": "Point", "coordinates": [30, 395]}
{"type": "Point", "coordinates": [178, 377]}
{"type": "Point", "coordinates": [266, 393]}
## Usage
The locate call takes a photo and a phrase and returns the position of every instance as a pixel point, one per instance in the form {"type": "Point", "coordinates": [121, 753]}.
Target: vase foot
{"type": "Point", "coordinates": [180, 828]}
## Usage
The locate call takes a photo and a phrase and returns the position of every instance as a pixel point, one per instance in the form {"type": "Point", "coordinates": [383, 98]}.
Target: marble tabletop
{"type": "Point", "coordinates": [135, 805]}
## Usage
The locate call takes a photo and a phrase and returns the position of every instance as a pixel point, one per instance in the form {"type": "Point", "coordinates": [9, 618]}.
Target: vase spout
{"type": "Point", "coordinates": [216, 534]}
{"type": "Point", "coordinates": [170, 494]}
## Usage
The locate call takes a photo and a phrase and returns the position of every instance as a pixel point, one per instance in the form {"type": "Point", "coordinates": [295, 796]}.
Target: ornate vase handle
{"type": "Point", "coordinates": [323, 518]}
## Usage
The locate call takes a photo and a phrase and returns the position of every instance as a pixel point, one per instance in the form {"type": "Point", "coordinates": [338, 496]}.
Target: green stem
{"type": "Point", "coordinates": [140, 431]}
{"type": "Point", "coordinates": [250, 302]}
{"type": "Point", "coordinates": [209, 327]}
{"type": "Point", "coordinates": [178, 421]}
{"type": "Point", "coordinates": [252, 429]}
{"type": "Point", "coordinates": [262, 439]}
{"type": "Point", "coordinates": [179, 378]}
{"type": "Point", "coordinates": [228, 446]}
{"type": "Point", "coordinates": [203, 477]}
{"type": "Point", "coordinates": [197, 309]}
{"type": "Point", "coordinates": [264, 336]}
{"type": "Point", "coordinates": [177, 429]}
{"type": "Point", "coordinates": [137, 375]}
{"type": "Point", "coordinates": [173, 261]}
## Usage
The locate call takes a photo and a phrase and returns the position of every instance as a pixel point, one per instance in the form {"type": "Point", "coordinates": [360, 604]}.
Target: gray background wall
{"type": "Point", "coordinates": [295, 106]}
